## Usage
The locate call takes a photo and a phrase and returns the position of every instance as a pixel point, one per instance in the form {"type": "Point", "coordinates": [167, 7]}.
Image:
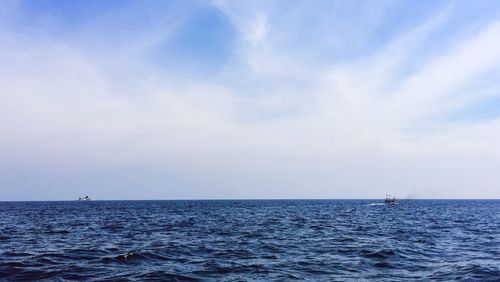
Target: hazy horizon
{"type": "Point", "coordinates": [249, 100]}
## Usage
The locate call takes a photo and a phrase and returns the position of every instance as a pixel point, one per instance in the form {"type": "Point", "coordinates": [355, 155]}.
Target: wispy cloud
{"type": "Point", "coordinates": [291, 113]}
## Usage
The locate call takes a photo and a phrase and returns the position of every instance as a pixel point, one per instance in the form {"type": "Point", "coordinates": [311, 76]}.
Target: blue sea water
{"type": "Point", "coordinates": [315, 240]}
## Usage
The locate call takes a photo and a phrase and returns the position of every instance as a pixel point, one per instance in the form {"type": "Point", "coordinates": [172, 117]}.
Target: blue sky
{"type": "Point", "coordinates": [249, 99]}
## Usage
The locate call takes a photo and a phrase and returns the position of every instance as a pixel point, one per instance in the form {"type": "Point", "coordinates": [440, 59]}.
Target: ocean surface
{"type": "Point", "coordinates": [281, 240]}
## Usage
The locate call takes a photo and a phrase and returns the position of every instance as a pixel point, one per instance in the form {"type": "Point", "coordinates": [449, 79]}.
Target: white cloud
{"type": "Point", "coordinates": [275, 119]}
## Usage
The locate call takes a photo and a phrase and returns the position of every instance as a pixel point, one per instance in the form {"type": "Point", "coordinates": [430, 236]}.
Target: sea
{"type": "Point", "coordinates": [250, 240]}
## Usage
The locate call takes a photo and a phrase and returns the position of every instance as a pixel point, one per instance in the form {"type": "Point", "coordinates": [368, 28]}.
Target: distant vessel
{"type": "Point", "coordinates": [390, 201]}
{"type": "Point", "coordinates": [86, 198]}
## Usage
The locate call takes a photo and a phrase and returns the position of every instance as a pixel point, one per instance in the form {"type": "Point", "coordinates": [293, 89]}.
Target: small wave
{"type": "Point", "coordinates": [166, 276]}
{"type": "Point", "coordinates": [481, 272]}
{"type": "Point", "coordinates": [473, 272]}
{"type": "Point", "coordinates": [211, 267]}
{"type": "Point", "coordinates": [53, 231]}
{"type": "Point", "coordinates": [382, 254]}
{"type": "Point", "coordinates": [28, 274]}
{"type": "Point", "coordinates": [114, 227]}
{"type": "Point", "coordinates": [16, 254]}
{"type": "Point", "coordinates": [45, 261]}
{"type": "Point", "coordinates": [13, 264]}
{"type": "Point", "coordinates": [129, 257]}
{"type": "Point", "coordinates": [134, 256]}
{"type": "Point", "coordinates": [382, 264]}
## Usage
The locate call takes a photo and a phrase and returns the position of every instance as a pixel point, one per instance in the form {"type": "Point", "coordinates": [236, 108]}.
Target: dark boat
{"type": "Point", "coordinates": [390, 201]}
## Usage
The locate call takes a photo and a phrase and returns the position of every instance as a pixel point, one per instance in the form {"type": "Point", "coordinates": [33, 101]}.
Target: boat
{"type": "Point", "coordinates": [390, 201]}
{"type": "Point", "coordinates": [86, 198]}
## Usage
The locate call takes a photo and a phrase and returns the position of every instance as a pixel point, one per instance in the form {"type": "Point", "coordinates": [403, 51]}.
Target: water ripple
{"type": "Point", "coordinates": [250, 240]}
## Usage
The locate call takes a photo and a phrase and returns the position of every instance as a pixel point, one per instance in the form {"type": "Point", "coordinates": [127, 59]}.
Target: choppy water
{"type": "Point", "coordinates": [250, 240]}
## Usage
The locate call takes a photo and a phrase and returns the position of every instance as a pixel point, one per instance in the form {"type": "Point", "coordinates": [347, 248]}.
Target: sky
{"type": "Point", "coordinates": [249, 99]}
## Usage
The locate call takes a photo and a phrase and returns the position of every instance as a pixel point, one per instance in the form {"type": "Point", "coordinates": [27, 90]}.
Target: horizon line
{"type": "Point", "coordinates": [261, 199]}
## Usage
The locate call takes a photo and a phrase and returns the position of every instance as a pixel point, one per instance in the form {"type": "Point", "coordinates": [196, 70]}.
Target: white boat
{"type": "Point", "coordinates": [86, 198]}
